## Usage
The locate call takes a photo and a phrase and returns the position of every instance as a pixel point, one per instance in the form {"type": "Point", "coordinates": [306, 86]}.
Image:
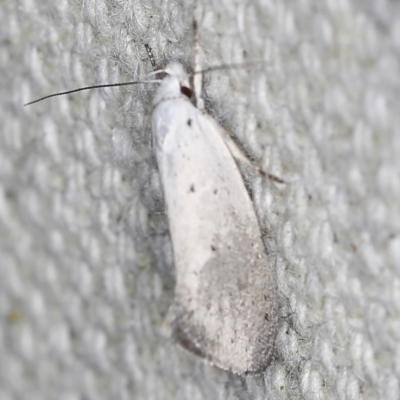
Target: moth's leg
{"type": "Point", "coordinates": [240, 156]}
{"type": "Point", "coordinates": [155, 66]}
{"type": "Point", "coordinates": [151, 57]}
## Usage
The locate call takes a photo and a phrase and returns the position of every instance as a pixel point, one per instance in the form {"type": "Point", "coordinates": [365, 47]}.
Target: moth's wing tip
{"type": "Point", "coordinates": [188, 343]}
{"type": "Point", "coordinates": [237, 367]}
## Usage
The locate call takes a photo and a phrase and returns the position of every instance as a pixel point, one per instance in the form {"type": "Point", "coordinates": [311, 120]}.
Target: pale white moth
{"type": "Point", "coordinates": [224, 308]}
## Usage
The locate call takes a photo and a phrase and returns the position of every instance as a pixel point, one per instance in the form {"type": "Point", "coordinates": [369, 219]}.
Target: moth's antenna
{"type": "Point", "coordinates": [90, 87]}
{"type": "Point", "coordinates": [228, 66]}
{"type": "Point", "coordinates": [153, 63]}
{"type": "Point", "coordinates": [197, 75]}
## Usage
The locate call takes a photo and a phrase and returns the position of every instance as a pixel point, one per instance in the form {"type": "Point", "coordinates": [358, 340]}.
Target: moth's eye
{"type": "Point", "coordinates": [186, 91]}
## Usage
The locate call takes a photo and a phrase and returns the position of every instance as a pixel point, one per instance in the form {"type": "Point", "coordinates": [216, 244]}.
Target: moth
{"type": "Point", "coordinates": [225, 308]}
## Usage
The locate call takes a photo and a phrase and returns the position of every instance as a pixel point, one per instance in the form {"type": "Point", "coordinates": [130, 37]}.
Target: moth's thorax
{"type": "Point", "coordinates": [171, 86]}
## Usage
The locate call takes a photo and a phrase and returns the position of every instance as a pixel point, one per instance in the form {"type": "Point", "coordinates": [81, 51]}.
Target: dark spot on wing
{"type": "Point", "coordinates": [189, 122]}
{"type": "Point", "coordinates": [192, 189]}
{"type": "Point", "coordinates": [266, 317]}
{"type": "Point", "coordinates": [215, 191]}
{"type": "Point", "coordinates": [186, 91]}
{"type": "Point", "coordinates": [213, 248]}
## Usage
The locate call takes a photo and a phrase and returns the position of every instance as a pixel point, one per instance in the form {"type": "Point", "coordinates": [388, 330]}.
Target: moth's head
{"type": "Point", "coordinates": [175, 69]}
{"type": "Point", "coordinates": [174, 85]}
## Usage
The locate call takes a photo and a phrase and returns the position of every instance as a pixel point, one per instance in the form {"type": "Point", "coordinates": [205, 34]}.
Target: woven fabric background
{"type": "Point", "coordinates": [85, 268]}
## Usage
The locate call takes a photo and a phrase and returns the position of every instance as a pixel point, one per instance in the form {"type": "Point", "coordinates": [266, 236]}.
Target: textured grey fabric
{"type": "Point", "coordinates": [85, 257]}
